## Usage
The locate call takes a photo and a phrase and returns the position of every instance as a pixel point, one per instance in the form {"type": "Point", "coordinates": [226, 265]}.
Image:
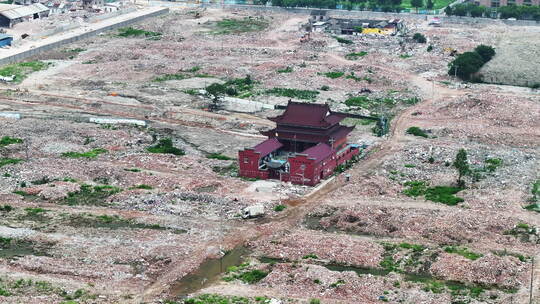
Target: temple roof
{"type": "Point", "coordinates": [267, 146]}
{"type": "Point", "coordinates": [319, 152]}
{"type": "Point", "coordinates": [309, 115]}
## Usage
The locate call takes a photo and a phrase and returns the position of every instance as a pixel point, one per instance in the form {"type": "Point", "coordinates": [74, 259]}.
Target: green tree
{"type": "Point", "coordinates": [417, 4]}
{"type": "Point", "coordinates": [462, 166]}
{"type": "Point", "coordinates": [419, 38]}
{"type": "Point", "coordinates": [465, 65]}
{"type": "Point", "coordinates": [430, 4]}
{"type": "Point", "coordinates": [485, 51]}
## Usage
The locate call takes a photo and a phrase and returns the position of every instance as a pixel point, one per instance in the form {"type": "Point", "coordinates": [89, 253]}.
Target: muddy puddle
{"type": "Point", "coordinates": [209, 272]}
{"type": "Point", "coordinates": [16, 248]}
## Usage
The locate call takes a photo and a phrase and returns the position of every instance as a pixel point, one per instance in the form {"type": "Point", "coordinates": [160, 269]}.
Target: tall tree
{"type": "Point", "coordinates": [462, 166]}
{"type": "Point", "coordinates": [430, 4]}
{"type": "Point", "coordinates": [417, 4]}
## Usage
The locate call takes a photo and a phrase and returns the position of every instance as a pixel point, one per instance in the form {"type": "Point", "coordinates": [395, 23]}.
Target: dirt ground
{"type": "Point", "coordinates": [129, 226]}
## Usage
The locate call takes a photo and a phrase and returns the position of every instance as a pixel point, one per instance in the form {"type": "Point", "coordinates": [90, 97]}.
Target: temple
{"type": "Point", "coordinates": [306, 145]}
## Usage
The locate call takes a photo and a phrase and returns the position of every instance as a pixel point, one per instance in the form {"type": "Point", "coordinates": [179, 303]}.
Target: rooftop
{"type": "Point", "coordinates": [309, 115]}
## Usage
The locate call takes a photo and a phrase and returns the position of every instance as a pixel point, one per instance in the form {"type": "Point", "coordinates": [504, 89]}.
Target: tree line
{"type": "Point", "coordinates": [504, 12]}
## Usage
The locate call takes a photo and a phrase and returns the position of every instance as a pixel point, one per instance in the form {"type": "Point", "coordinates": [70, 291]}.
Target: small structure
{"type": "Point", "coordinates": [93, 4]}
{"type": "Point", "coordinates": [5, 40]}
{"type": "Point", "coordinates": [305, 147]}
{"type": "Point", "coordinates": [13, 14]}
{"type": "Point", "coordinates": [356, 26]}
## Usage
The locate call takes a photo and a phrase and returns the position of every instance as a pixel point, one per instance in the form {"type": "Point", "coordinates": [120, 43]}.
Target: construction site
{"type": "Point", "coordinates": [121, 182]}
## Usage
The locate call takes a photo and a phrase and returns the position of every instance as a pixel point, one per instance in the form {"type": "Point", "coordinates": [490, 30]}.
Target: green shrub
{"type": "Point", "coordinates": [252, 276]}
{"type": "Point", "coordinates": [22, 69]}
{"type": "Point", "coordinates": [325, 88]}
{"type": "Point", "coordinates": [6, 208]}
{"type": "Point", "coordinates": [34, 211]}
{"type": "Point", "coordinates": [310, 256]}
{"type": "Point", "coordinates": [414, 247]}
{"type": "Point", "coordinates": [354, 56]}
{"type": "Point", "coordinates": [485, 51]}
{"type": "Point", "coordinates": [416, 188]}
{"type": "Point", "coordinates": [143, 186]}
{"type": "Point", "coordinates": [334, 75]}
{"type": "Point", "coordinates": [357, 101]}
{"type": "Point", "coordinates": [465, 65]}
{"type": "Point", "coordinates": [288, 69]}
{"type": "Point", "coordinates": [342, 40]}
{"type": "Point", "coordinates": [419, 38]}
{"type": "Point", "coordinates": [167, 77]}
{"type": "Point", "coordinates": [493, 163]}
{"type": "Point", "coordinates": [463, 252]}
{"type": "Point", "coordinates": [293, 93]}
{"type": "Point", "coordinates": [416, 131]}
{"type": "Point", "coordinates": [429, 48]}
{"type": "Point", "coordinates": [535, 190]}
{"type": "Point", "coordinates": [90, 154]}
{"type": "Point", "coordinates": [237, 26]}
{"type": "Point", "coordinates": [9, 161]}
{"type": "Point", "coordinates": [165, 146]}
{"type": "Point", "coordinates": [314, 301]}
{"type": "Point", "coordinates": [279, 208]}
{"type": "Point", "coordinates": [444, 194]}
{"type": "Point", "coordinates": [6, 140]}
{"type": "Point", "coordinates": [218, 156]}
{"type": "Point", "coordinates": [132, 32]}
{"type": "Point", "coordinates": [91, 195]}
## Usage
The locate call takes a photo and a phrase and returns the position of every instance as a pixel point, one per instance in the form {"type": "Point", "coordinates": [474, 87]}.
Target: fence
{"type": "Point", "coordinates": [32, 52]}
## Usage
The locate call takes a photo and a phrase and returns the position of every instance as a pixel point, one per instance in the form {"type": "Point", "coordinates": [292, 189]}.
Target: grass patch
{"type": "Point", "coordinates": [9, 161]}
{"type": "Point", "coordinates": [349, 121]}
{"type": "Point", "coordinates": [293, 93]}
{"type": "Point", "coordinates": [464, 252]}
{"type": "Point", "coordinates": [218, 156]}
{"type": "Point", "coordinates": [416, 131]}
{"type": "Point", "coordinates": [288, 69]}
{"type": "Point", "coordinates": [533, 207]}
{"type": "Point", "coordinates": [439, 194]}
{"type": "Point", "coordinates": [444, 194]}
{"type": "Point", "coordinates": [414, 247]}
{"type": "Point", "coordinates": [218, 299]}
{"type": "Point", "coordinates": [249, 276]}
{"type": "Point", "coordinates": [343, 40]}
{"type": "Point", "coordinates": [279, 208]}
{"type": "Point", "coordinates": [334, 75]}
{"type": "Point", "coordinates": [238, 87]}
{"type": "Point", "coordinates": [132, 169]}
{"type": "Point", "coordinates": [22, 70]}
{"type": "Point", "coordinates": [358, 101]}
{"type": "Point", "coordinates": [113, 222]}
{"type": "Point", "coordinates": [133, 32]}
{"type": "Point", "coordinates": [34, 211]}
{"type": "Point", "coordinates": [492, 164]}
{"type": "Point", "coordinates": [76, 50]}
{"type": "Point", "coordinates": [355, 56]}
{"type": "Point", "coordinates": [405, 56]}
{"type": "Point", "coordinates": [310, 256]}
{"type": "Point", "coordinates": [6, 208]}
{"type": "Point", "coordinates": [90, 154]}
{"type": "Point", "coordinates": [168, 77]}
{"type": "Point", "coordinates": [230, 170]}
{"type": "Point", "coordinates": [91, 195]}
{"type": "Point", "coordinates": [6, 141]}
{"type": "Point", "coordinates": [165, 146]}
{"type": "Point", "coordinates": [236, 26]}
{"type": "Point", "coordinates": [142, 186]}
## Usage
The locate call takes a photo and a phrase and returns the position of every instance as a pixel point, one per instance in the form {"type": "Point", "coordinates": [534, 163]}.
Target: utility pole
{"type": "Point", "coordinates": [455, 70]}
{"type": "Point", "coordinates": [531, 285]}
